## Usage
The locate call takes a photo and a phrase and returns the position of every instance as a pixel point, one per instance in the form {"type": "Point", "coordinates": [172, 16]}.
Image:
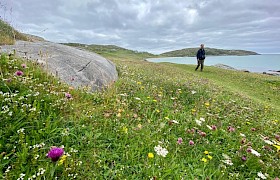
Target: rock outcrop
{"type": "Point", "coordinates": [76, 67]}
{"type": "Point", "coordinates": [223, 66]}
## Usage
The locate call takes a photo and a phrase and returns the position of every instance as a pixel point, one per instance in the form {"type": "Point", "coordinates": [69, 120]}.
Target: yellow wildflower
{"type": "Point", "coordinates": [125, 130]}
{"type": "Point", "coordinates": [207, 104]}
{"type": "Point", "coordinates": [277, 146]}
{"type": "Point", "coordinates": [62, 159]}
{"type": "Point", "coordinates": [150, 155]}
{"type": "Point", "coordinates": [204, 160]}
{"type": "Point", "coordinates": [139, 83]}
{"type": "Point", "coordinates": [209, 157]}
{"type": "Point", "coordinates": [119, 115]}
{"type": "Point", "coordinates": [206, 152]}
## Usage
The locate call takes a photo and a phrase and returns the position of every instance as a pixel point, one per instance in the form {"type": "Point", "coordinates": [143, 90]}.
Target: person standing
{"type": "Point", "coordinates": [200, 56]}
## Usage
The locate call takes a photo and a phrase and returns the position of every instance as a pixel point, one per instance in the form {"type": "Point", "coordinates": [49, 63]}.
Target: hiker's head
{"type": "Point", "coordinates": [201, 46]}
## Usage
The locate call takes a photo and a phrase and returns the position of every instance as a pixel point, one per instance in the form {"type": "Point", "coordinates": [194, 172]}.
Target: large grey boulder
{"type": "Point", "coordinates": [76, 67]}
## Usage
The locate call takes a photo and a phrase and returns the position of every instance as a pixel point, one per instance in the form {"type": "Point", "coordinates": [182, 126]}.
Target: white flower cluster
{"type": "Point", "coordinates": [8, 169]}
{"type": "Point", "coordinates": [20, 131]}
{"type": "Point", "coordinates": [40, 172]}
{"type": "Point", "coordinates": [79, 163]}
{"type": "Point", "coordinates": [255, 153]}
{"type": "Point", "coordinates": [41, 145]}
{"type": "Point", "coordinates": [161, 151]}
{"type": "Point", "coordinates": [199, 122]}
{"type": "Point", "coordinates": [193, 92]}
{"type": "Point", "coordinates": [5, 109]}
{"type": "Point", "coordinates": [227, 160]}
{"type": "Point", "coordinates": [73, 150]}
{"type": "Point", "coordinates": [21, 176]}
{"type": "Point", "coordinates": [73, 175]}
{"type": "Point", "coordinates": [65, 132]}
{"type": "Point", "coordinates": [261, 175]}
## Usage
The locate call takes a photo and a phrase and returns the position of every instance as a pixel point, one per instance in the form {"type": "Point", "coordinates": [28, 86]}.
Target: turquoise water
{"type": "Point", "coordinates": [253, 63]}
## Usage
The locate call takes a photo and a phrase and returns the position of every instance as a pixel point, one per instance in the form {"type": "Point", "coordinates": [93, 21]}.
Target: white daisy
{"type": "Point", "coordinates": [193, 92]}
{"type": "Point", "coordinates": [198, 122]}
{"type": "Point", "coordinates": [161, 151]}
{"type": "Point", "coordinates": [255, 153]}
{"type": "Point", "coordinates": [268, 142]}
{"type": "Point", "coordinates": [261, 175]}
{"type": "Point", "coordinates": [174, 121]}
{"type": "Point", "coordinates": [228, 162]}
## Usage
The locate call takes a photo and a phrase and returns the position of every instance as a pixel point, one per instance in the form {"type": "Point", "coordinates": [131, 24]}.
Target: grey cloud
{"type": "Point", "coordinates": [153, 25]}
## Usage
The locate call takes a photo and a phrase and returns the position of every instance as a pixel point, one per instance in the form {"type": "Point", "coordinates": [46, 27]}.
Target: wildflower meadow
{"type": "Point", "coordinates": [157, 121]}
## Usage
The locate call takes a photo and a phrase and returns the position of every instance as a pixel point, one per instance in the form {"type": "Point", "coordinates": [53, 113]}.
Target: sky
{"type": "Point", "coordinates": [154, 26]}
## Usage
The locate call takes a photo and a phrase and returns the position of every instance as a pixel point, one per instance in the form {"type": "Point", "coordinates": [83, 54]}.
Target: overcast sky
{"type": "Point", "coordinates": [155, 26]}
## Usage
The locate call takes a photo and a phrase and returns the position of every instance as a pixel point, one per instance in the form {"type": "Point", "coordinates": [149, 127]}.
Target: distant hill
{"type": "Point", "coordinates": [209, 52]}
{"type": "Point", "coordinates": [105, 48]}
{"type": "Point", "coordinates": [114, 51]}
{"type": "Point", "coordinates": [8, 34]}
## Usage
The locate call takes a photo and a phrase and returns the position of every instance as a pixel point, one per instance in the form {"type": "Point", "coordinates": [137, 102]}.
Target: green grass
{"type": "Point", "coordinates": [114, 52]}
{"type": "Point", "coordinates": [261, 88]}
{"type": "Point", "coordinates": [108, 134]}
{"type": "Point", "coordinates": [8, 34]}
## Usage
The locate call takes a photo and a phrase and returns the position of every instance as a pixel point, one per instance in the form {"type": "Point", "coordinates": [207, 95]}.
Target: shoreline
{"type": "Point", "coordinates": [260, 64]}
{"type": "Point", "coordinates": [269, 72]}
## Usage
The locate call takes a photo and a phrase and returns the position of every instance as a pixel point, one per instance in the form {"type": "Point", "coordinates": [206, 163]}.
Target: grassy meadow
{"type": "Point", "coordinates": [158, 121]}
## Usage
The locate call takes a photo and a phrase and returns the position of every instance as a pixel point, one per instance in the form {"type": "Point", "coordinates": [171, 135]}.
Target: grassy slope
{"type": "Point", "coordinates": [8, 34]}
{"type": "Point", "coordinates": [114, 130]}
{"type": "Point", "coordinates": [261, 88]}
{"type": "Point", "coordinates": [116, 52]}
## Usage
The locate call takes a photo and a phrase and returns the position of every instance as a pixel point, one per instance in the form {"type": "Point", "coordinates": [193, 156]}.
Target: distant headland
{"type": "Point", "coordinates": [209, 52]}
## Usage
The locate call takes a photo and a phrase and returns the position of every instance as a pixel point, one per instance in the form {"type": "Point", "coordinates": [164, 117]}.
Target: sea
{"type": "Point", "coordinates": [252, 63]}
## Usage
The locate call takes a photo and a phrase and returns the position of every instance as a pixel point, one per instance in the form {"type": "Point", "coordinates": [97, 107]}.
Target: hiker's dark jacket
{"type": "Point", "coordinates": [200, 54]}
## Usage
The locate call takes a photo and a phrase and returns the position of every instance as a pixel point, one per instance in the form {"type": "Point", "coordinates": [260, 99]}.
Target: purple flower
{"type": "Point", "coordinates": [180, 140]}
{"type": "Point", "coordinates": [55, 153]}
{"type": "Point", "coordinates": [23, 65]}
{"type": "Point", "coordinates": [249, 150]}
{"type": "Point", "coordinates": [231, 129]}
{"type": "Point", "coordinates": [244, 158]}
{"type": "Point", "coordinates": [201, 133]}
{"type": "Point", "coordinates": [18, 73]}
{"type": "Point", "coordinates": [68, 95]}
{"type": "Point", "coordinates": [191, 143]}
{"type": "Point", "coordinates": [214, 128]}
{"type": "Point", "coordinates": [191, 131]}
